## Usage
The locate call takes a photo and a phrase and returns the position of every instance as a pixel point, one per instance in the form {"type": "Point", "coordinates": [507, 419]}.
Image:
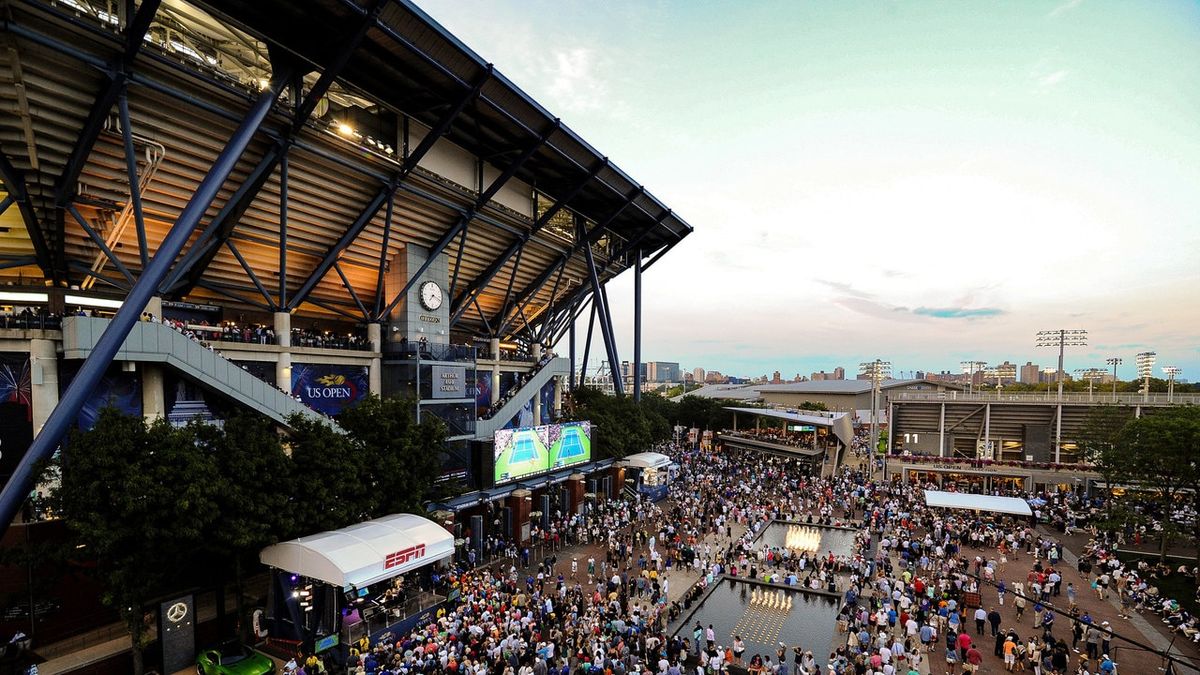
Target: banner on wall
{"type": "Point", "coordinates": [329, 389]}
{"type": "Point", "coordinates": [483, 391]}
{"type": "Point", "coordinates": [117, 389]}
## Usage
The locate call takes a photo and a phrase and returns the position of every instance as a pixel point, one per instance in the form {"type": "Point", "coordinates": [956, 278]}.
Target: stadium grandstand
{"type": "Point", "coordinates": [284, 206]}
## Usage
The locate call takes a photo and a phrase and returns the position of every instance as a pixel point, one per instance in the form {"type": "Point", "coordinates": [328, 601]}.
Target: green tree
{"type": "Point", "coordinates": [327, 491]}
{"type": "Point", "coordinates": [1098, 444]}
{"type": "Point", "coordinates": [139, 501]}
{"type": "Point", "coordinates": [403, 458]}
{"type": "Point", "coordinates": [254, 510]}
{"type": "Point", "coordinates": [1161, 453]}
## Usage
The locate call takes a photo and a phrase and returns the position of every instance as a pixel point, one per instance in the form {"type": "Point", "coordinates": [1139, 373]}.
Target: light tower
{"type": "Point", "coordinates": [876, 370]}
{"type": "Point", "coordinates": [1062, 339]}
{"type": "Point", "coordinates": [1114, 361]}
{"type": "Point", "coordinates": [1171, 372]}
{"type": "Point", "coordinates": [1145, 367]}
{"type": "Point", "coordinates": [970, 368]}
{"type": "Point", "coordinates": [1092, 375]}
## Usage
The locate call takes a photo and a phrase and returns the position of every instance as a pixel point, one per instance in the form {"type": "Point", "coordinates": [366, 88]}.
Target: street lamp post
{"type": "Point", "coordinates": [1062, 339]}
{"type": "Point", "coordinates": [876, 370]}
{"type": "Point", "coordinates": [1114, 361]}
{"type": "Point", "coordinates": [1171, 372]}
{"type": "Point", "coordinates": [1145, 367]}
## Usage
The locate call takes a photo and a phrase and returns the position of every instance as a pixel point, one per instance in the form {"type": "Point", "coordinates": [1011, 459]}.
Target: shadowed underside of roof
{"type": "Point", "coordinates": [400, 77]}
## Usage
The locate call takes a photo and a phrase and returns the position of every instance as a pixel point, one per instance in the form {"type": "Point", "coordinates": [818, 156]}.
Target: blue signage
{"type": "Point", "coordinates": [329, 389]}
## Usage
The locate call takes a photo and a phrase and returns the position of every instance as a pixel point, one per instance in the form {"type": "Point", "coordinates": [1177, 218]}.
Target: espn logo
{"type": "Point", "coordinates": [404, 555]}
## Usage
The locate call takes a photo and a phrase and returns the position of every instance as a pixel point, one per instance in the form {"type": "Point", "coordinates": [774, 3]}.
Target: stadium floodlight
{"type": "Point", "coordinates": [1145, 367]}
{"type": "Point", "coordinates": [1171, 372]}
{"type": "Point", "coordinates": [1092, 375]}
{"type": "Point", "coordinates": [1062, 339]}
{"type": "Point", "coordinates": [1114, 361]}
{"type": "Point", "coordinates": [970, 368]}
{"type": "Point", "coordinates": [876, 371]}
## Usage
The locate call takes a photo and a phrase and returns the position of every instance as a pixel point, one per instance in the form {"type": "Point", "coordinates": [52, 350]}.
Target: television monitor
{"type": "Point", "coordinates": [520, 453]}
{"type": "Point", "coordinates": [570, 444]}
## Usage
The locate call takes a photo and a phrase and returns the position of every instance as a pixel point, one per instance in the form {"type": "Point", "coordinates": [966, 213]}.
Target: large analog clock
{"type": "Point", "coordinates": [430, 295]}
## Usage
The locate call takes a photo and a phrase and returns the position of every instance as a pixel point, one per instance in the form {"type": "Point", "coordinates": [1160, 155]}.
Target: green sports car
{"type": "Point", "coordinates": [233, 658]}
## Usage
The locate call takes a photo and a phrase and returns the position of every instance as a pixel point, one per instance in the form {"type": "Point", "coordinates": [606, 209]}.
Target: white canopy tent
{"type": "Point", "coordinates": [647, 460]}
{"type": "Point", "coordinates": [959, 500]}
{"type": "Point", "coordinates": [363, 554]}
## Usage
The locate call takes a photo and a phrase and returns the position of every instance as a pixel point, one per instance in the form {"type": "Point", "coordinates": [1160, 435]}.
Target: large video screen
{"type": "Point", "coordinates": [521, 452]}
{"type": "Point", "coordinates": [570, 443]}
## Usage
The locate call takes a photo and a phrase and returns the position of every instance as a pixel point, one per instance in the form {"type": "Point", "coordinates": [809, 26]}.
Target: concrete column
{"type": "Point", "coordinates": [375, 340]}
{"type": "Point", "coordinates": [43, 377]}
{"type": "Point", "coordinates": [942, 432]}
{"type": "Point", "coordinates": [155, 307]}
{"type": "Point", "coordinates": [43, 381]}
{"type": "Point", "coordinates": [494, 346]}
{"type": "Point", "coordinates": [987, 427]}
{"type": "Point", "coordinates": [536, 351]}
{"type": "Point", "coordinates": [283, 329]}
{"type": "Point", "coordinates": [283, 360]}
{"type": "Point", "coordinates": [154, 403]}
{"type": "Point", "coordinates": [558, 391]}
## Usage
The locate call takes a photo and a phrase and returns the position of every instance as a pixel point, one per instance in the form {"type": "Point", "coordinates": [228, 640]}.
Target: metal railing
{"type": "Point", "coordinates": [433, 352]}
{"type": "Point", "coordinates": [1096, 398]}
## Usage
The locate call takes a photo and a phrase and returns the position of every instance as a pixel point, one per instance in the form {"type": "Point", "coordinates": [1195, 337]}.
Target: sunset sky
{"type": "Point", "coordinates": [922, 182]}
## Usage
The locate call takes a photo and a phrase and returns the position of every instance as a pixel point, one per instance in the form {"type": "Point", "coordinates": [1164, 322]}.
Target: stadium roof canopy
{"type": "Point", "coordinates": [959, 500]}
{"type": "Point", "coordinates": [389, 130]}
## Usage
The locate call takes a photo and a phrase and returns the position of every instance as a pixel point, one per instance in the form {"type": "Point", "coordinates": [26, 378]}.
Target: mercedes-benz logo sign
{"type": "Point", "coordinates": [176, 612]}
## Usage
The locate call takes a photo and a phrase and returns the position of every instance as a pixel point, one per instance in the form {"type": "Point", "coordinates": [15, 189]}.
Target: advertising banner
{"type": "Point", "coordinates": [449, 381]}
{"type": "Point", "coordinates": [329, 389]}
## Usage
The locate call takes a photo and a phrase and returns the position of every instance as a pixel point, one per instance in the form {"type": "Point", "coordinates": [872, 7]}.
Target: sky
{"type": "Point", "coordinates": [915, 181]}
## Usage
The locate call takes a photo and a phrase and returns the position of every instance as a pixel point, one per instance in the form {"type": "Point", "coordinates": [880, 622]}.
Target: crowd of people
{"type": "Point", "coordinates": [521, 381]}
{"type": "Point", "coordinates": [229, 331]}
{"type": "Point", "coordinates": [919, 590]}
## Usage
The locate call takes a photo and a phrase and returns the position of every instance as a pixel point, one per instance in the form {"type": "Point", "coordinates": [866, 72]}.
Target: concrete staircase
{"type": "Point", "coordinates": [151, 342]}
{"type": "Point", "coordinates": [486, 427]}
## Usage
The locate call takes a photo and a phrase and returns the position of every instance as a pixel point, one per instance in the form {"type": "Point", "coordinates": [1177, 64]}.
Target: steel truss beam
{"type": "Point", "coordinates": [14, 182]}
{"type": "Point", "coordinates": [92, 370]}
{"type": "Point", "coordinates": [601, 301]}
{"type": "Point", "coordinates": [406, 169]}
{"type": "Point", "coordinates": [223, 225]}
{"type": "Point", "coordinates": [631, 245]}
{"type": "Point", "coordinates": [67, 183]}
{"type": "Point", "coordinates": [580, 242]}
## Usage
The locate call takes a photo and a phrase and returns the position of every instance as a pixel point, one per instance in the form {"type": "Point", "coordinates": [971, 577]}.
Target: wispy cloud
{"type": "Point", "coordinates": [957, 312]}
{"type": "Point", "coordinates": [1064, 8]}
{"type": "Point", "coordinates": [1051, 79]}
{"type": "Point", "coordinates": [574, 81]}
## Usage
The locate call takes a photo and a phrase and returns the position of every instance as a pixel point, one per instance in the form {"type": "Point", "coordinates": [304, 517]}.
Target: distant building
{"type": "Point", "coordinates": [1005, 372]}
{"type": "Point", "coordinates": [698, 374]}
{"type": "Point", "coordinates": [1031, 373]}
{"type": "Point", "coordinates": [662, 371]}
{"type": "Point", "coordinates": [715, 377]}
{"type": "Point", "coordinates": [820, 377]}
{"type": "Point", "coordinates": [839, 373]}
{"type": "Point", "coordinates": [776, 378]}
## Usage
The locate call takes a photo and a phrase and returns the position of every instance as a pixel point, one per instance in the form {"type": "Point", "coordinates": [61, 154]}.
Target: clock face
{"type": "Point", "coordinates": [431, 295]}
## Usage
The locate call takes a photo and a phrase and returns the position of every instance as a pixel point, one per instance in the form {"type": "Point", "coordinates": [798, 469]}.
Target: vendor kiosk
{"type": "Point", "coordinates": [332, 589]}
{"type": "Point", "coordinates": [649, 473]}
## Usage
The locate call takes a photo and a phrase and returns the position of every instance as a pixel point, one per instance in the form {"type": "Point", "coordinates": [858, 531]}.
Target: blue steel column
{"type": "Point", "coordinates": [17, 488]}
{"type": "Point", "coordinates": [571, 350]}
{"type": "Point", "coordinates": [637, 327]}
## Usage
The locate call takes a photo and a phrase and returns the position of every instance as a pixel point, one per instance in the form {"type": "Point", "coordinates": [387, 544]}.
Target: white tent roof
{"type": "Point", "coordinates": [646, 460]}
{"type": "Point", "coordinates": [959, 500]}
{"type": "Point", "coordinates": [362, 554]}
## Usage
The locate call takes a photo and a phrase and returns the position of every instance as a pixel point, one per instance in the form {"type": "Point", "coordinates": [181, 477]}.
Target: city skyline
{"type": "Point", "coordinates": [917, 181]}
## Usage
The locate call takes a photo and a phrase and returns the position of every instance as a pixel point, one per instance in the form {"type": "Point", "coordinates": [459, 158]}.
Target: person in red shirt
{"type": "Point", "coordinates": [974, 659]}
{"type": "Point", "coordinates": [964, 643]}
